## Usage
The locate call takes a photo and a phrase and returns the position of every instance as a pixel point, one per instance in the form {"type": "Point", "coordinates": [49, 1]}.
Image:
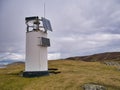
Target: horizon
{"type": "Point", "coordinates": [23, 60]}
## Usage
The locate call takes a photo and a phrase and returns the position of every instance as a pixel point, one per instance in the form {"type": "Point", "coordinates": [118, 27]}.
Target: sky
{"type": "Point", "coordinates": [80, 27]}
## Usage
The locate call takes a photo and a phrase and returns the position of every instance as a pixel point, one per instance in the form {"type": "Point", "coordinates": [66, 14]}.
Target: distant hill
{"type": "Point", "coordinates": [98, 57]}
{"type": "Point", "coordinates": [7, 62]}
{"type": "Point", "coordinates": [16, 63]}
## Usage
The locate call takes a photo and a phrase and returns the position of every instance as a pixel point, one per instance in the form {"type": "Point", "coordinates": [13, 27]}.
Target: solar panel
{"type": "Point", "coordinates": [46, 24]}
{"type": "Point", "coordinates": [45, 42]}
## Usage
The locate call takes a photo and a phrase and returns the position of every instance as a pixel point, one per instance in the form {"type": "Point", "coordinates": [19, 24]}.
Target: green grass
{"type": "Point", "coordinates": [74, 74]}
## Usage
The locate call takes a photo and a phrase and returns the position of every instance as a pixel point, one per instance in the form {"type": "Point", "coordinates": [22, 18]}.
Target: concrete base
{"type": "Point", "coordinates": [35, 73]}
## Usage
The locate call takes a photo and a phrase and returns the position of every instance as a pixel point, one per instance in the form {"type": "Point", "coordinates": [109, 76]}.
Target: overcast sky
{"type": "Point", "coordinates": [80, 27]}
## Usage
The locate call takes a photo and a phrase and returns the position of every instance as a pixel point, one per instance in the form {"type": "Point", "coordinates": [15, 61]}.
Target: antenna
{"type": "Point", "coordinates": [44, 10]}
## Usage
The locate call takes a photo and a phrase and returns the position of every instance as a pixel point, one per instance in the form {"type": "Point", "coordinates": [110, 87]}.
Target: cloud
{"type": "Point", "coordinates": [80, 27]}
{"type": "Point", "coordinates": [54, 56]}
{"type": "Point", "coordinates": [87, 26]}
{"type": "Point", "coordinates": [12, 56]}
{"type": "Point", "coordinates": [70, 46]}
{"type": "Point", "coordinates": [15, 56]}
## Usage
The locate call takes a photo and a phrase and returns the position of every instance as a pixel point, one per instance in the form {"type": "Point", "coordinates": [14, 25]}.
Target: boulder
{"type": "Point", "coordinates": [93, 87]}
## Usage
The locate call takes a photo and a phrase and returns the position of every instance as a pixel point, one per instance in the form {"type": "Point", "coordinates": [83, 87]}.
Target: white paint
{"type": "Point", "coordinates": [36, 55]}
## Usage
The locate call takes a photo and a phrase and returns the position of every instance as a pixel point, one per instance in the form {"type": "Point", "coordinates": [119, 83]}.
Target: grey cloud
{"type": "Point", "coordinates": [79, 26]}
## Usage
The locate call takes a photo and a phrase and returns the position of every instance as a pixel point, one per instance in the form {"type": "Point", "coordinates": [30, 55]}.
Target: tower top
{"type": "Point", "coordinates": [35, 24]}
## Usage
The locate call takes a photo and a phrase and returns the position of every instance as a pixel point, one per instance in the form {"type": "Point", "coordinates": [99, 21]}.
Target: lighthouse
{"type": "Point", "coordinates": [36, 62]}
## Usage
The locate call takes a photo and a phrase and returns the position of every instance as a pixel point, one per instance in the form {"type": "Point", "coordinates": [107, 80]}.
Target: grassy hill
{"type": "Point", "coordinates": [108, 56]}
{"type": "Point", "coordinates": [74, 74]}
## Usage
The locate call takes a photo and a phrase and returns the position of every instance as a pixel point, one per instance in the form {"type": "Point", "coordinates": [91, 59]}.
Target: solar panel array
{"type": "Point", "coordinates": [46, 24]}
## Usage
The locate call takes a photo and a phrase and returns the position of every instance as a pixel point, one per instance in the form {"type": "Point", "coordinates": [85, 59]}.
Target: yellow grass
{"type": "Point", "coordinates": [74, 74]}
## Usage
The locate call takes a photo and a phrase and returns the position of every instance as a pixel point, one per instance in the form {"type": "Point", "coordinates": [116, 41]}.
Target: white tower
{"type": "Point", "coordinates": [36, 63]}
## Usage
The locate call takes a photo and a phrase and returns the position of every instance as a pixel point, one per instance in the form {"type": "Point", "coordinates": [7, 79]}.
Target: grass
{"type": "Point", "coordinates": [74, 74]}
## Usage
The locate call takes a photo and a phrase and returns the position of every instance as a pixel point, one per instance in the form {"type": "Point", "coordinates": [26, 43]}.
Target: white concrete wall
{"type": "Point", "coordinates": [36, 55]}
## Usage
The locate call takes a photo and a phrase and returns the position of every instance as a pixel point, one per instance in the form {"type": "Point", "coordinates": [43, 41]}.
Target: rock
{"type": "Point", "coordinates": [93, 87]}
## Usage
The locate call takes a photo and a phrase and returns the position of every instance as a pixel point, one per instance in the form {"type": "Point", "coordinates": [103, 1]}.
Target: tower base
{"type": "Point", "coordinates": [35, 73]}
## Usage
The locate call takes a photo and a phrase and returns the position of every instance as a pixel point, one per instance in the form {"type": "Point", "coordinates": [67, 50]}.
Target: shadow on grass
{"type": "Point", "coordinates": [53, 71]}
{"type": "Point", "coordinates": [50, 70]}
